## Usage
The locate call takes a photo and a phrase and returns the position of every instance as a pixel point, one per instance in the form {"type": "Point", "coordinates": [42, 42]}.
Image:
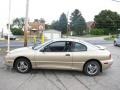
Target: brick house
{"type": "Point", "coordinates": [35, 28]}
{"type": "Point", "coordinates": [90, 25]}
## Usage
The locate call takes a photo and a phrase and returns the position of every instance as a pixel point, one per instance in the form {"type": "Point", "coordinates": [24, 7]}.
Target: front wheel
{"type": "Point", "coordinates": [22, 65]}
{"type": "Point", "coordinates": [92, 68]}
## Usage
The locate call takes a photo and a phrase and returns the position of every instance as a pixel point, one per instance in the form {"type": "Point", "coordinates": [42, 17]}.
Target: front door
{"type": "Point", "coordinates": [54, 55]}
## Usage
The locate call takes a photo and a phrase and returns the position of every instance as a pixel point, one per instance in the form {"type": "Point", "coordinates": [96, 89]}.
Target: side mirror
{"type": "Point", "coordinates": [45, 49]}
{"type": "Point", "coordinates": [42, 50]}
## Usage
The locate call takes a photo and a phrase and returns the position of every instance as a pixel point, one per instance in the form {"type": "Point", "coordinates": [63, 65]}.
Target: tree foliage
{"type": "Point", "coordinates": [97, 32]}
{"type": "Point", "coordinates": [17, 31]}
{"type": "Point", "coordinates": [63, 23]}
{"type": "Point", "coordinates": [108, 20]}
{"type": "Point", "coordinates": [41, 20]}
{"type": "Point", "coordinates": [18, 23]}
{"type": "Point", "coordinates": [55, 25]}
{"type": "Point", "coordinates": [77, 24]}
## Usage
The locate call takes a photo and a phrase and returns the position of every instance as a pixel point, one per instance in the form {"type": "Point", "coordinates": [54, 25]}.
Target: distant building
{"type": "Point", "coordinates": [90, 25]}
{"type": "Point", "coordinates": [35, 28]}
{"type": "Point", "coordinates": [52, 34]}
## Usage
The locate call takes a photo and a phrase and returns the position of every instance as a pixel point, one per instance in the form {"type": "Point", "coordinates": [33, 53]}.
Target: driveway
{"type": "Point", "coordinates": [61, 79]}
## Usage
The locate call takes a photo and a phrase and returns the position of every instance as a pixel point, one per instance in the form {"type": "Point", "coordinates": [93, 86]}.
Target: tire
{"type": "Point", "coordinates": [92, 68]}
{"type": "Point", "coordinates": [23, 65]}
{"type": "Point", "coordinates": [115, 44]}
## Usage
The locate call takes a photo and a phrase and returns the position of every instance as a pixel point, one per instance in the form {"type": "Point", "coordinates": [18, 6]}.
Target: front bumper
{"type": "Point", "coordinates": [8, 62]}
{"type": "Point", "coordinates": [106, 64]}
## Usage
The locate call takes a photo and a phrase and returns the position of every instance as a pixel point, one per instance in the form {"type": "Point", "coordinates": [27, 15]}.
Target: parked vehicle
{"type": "Point", "coordinates": [12, 37]}
{"type": "Point", "coordinates": [69, 54]}
{"type": "Point", "coordinates": [117, 41]}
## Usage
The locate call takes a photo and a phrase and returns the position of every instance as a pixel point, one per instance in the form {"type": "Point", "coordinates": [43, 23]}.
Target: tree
{"type": "Point", "coordinates": [47, 26]}
{"type": "Point", "coordinates": [63, 23]}
{"type": "Point", "coordinates": [18, 23]}
{"type": "Point", "coordinates": [108, 20]}
{"type": "Point", "coordinates": [17, 31]}
{"type": "Point", "coordinates": [42, 20]}
{"type": "Point", "coordinates": [77, 24]}
{"type": "Point", "coordinates": [55, 25]}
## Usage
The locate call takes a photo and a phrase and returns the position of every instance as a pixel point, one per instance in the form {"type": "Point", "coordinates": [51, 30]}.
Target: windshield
{"type": "Point", "coordinates": [36, 47]}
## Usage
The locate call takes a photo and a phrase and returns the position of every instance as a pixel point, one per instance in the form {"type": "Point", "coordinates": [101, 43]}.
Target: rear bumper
{"type": "Point", "coordinates": [106, 64]}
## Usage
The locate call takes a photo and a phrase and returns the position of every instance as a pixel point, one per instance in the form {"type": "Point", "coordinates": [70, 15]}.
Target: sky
{"type": "Point", "coordinates": [51, 9]}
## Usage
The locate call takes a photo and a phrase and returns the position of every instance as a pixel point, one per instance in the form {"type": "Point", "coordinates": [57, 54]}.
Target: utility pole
{"type": "Point", "coordinates": [26, 24]}
{"type": "Point", "coordinates": [2, 33]}
{"type": "Point", "coordinates": [8, 49]}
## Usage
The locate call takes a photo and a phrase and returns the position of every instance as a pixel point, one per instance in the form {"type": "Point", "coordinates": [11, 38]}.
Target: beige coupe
{"type": "Point", "coordinates": [68, 54]}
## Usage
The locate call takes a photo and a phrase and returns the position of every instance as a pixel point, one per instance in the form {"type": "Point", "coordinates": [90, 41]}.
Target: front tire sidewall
{"type": "Point", "coordinates": [24, 60]}
{"type": "Point", "coordinates": [86, 66]}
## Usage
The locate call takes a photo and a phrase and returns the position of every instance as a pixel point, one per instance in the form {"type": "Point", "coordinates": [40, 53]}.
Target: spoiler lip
{"type": "Point", "coordinates": [100, 47]}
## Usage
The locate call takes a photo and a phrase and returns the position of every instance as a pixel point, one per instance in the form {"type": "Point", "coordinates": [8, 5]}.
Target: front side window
{"type": "Point", "coordinates": [55, 47]}
{"type": "Point", "coordinates": [77, 47]}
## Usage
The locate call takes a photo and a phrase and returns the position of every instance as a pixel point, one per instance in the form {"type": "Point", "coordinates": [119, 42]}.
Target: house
{"type": "Point", "coordinates": [52, 34]}
{"type": "Point", "coordinates": [90, 25]}
{"type": "Point", "coordinates": [35, 28]}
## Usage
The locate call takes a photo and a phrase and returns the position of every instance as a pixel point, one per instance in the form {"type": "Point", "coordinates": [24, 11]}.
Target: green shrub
{"type": "Point", "coordinates": [113, 36]}
{"type": "Point", "coordinates": [97, 32]}
{"type": "Point", "coordinates": [106, 31]}
{"type": "Point", "coordinates": [16, 31]}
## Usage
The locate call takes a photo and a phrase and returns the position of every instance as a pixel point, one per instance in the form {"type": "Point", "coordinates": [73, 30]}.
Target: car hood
{"type": "Point", "coordinates": [21, 50]}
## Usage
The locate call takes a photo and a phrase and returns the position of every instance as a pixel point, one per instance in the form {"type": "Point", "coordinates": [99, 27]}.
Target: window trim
{"type": "Point", "coordinates": [55, 42]}
{"type": "Point", "coordinates": [81, 44]}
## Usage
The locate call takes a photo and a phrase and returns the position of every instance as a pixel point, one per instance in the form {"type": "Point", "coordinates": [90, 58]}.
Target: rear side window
{"type": "Point", "coordinates": [77, 47]}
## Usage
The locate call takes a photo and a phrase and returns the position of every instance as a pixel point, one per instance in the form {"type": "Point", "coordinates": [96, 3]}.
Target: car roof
{"type": "Point", "coordinates": [74, 40]}
{"type": "Point", "coordinates": [67, 39]}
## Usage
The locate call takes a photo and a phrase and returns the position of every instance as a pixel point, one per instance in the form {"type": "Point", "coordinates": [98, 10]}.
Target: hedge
{"type": "Point", "coordinates": [16, 31]}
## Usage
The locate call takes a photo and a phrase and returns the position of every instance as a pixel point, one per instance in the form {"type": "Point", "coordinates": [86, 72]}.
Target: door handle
{"type": "Point", "coordinates": [67, 55]}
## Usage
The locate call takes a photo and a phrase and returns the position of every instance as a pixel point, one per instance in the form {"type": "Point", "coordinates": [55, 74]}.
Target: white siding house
{"type": "Point", "coordinates": [52, 34]}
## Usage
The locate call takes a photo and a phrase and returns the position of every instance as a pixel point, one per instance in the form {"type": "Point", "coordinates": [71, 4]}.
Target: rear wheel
{"type": "Point", "coordinates": [22, 65]}
{"type": "Point", "coordinates": [92, 68]}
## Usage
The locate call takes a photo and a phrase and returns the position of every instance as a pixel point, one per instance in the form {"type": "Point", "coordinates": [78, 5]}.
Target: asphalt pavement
{"type": "Point", "coordinates": [13, 44]}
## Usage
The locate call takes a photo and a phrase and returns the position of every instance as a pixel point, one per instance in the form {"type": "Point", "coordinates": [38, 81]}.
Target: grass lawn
{"type": "Point", "coordinates": [88, 35]}
{"type": "Point", "coordinates": [110, 38]}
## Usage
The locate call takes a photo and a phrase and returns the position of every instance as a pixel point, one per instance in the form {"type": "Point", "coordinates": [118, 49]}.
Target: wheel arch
{"type": "Point", "coordinates": [93, 60]}
{"type": "Point", "coordinates": [19, 58]}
